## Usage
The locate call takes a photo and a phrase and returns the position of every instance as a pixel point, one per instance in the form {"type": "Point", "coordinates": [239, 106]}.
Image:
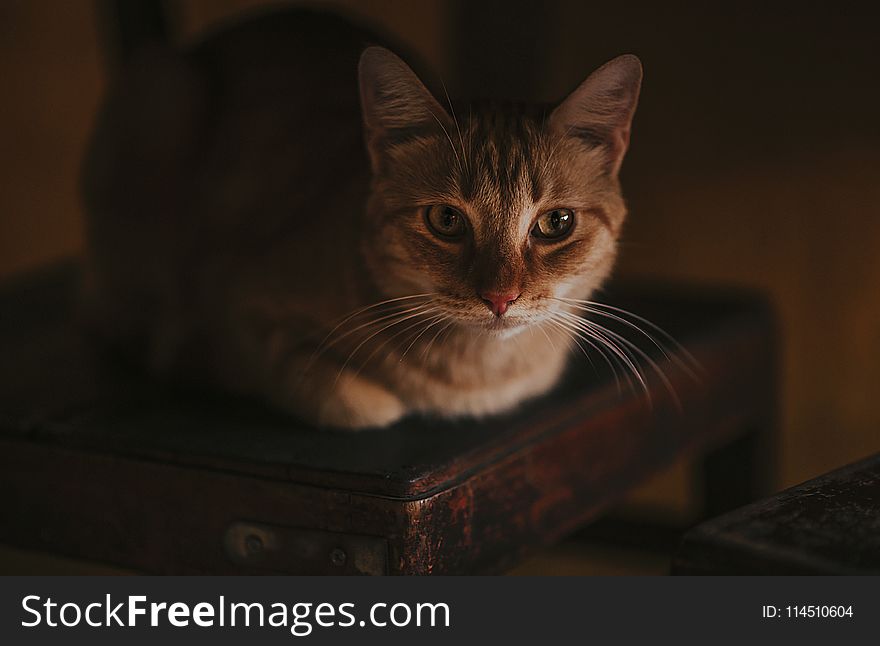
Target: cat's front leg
{"type": "Point", "coordinates": [322, 394]}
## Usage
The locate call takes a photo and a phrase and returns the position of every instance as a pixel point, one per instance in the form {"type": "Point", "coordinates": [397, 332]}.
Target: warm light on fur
{"type": "Point", "coordinates": [240, 234]}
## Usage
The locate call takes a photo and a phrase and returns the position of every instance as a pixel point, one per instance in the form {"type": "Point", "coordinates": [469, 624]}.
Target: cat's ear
{"type": "Point", "coordinates": [394, 102]}
{"type": "Point", "coordinates": [601, 109]}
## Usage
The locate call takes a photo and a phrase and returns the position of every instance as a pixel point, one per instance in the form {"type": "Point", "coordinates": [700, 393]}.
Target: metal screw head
{"type": "Point", "coordinates": [338, 556]}
{"type": "Point", "coordinates": [253, 544]}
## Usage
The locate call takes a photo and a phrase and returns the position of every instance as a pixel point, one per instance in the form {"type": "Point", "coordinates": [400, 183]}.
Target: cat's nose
{"type": "Point", "coordinates": [498, 302]}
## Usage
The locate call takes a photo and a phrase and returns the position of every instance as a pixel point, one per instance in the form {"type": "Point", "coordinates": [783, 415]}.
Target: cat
{"type": "Point", "coordinates": [285, 211]}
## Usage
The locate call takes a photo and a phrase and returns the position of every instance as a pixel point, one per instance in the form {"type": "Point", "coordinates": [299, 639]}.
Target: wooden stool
{"type": "Point", "coordinates": [830, 525]}
{"type": "Point", "coordinates": [99, 462]}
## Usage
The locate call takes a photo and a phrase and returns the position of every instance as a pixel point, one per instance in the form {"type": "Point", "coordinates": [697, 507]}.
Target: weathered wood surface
{"type": "Point", "coordinates": [98, 461]}
{"type": "Point", "coordinates": [830, 525]}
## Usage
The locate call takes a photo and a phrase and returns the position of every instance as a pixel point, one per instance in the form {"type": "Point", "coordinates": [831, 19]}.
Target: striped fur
{"type": "Point", "coordinates": [258, 265]}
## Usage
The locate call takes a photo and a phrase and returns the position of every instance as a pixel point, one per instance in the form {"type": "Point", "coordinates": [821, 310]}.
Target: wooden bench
{"type": "Point", "coordinates": [99, 462]}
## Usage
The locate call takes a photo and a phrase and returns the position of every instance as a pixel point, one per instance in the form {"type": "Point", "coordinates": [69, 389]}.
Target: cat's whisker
{"type": "Point", "coordinates": [387, 341]}
{"type": "Point", "coordinates": [568, 336]}
{"type": "Point", "coordinates": [586, 354]}
{"type": "Point", "coordinates": [593, 310]}
{"type": "Point", "coordinates": [376, 333]}
{"type": "Point", "coordinates": [427, 349]}
{"type": "Point", "coordinates": [620, 350]}
{"type": "Point", "coordinates": [365, 326]}
{"type": "Point", "coordinates": [627, 361]}
{"type": "Point", "coordinates": [540, 326]}
{"type": "Point", "coordinates": [457, 126]}
{"type": "Point", "coordinates": [366, 308]}
{"type": "Point", "coordinates": [437, 320]}
{"type": "Point", "coordinates": [618, 367]}
{"type": "Point", "coordinates": [677, 349]}
{"type": "Point", "coordinates": [670, 354]}
{"type": "Point", "coordinates": [370, 323]}
{"type": "Point", "coordinates": [448, 331]}
{"type": "Point", "coordinates": [319, 351]}
{"type": "Point", "coordinates": [646, 357]}
{"type": "Point", "coordinates": [451, 143]}
{"type": "Point", "coordinates": [576, 335]}
{"type": "Point", "coordinates": [677, 354]}
{"type": "Point", "coordinates": [626, 343]}
{"type": "Point", "coordinates": [400, 345]}
{"type": "Point", "coordinates": [363, 310]}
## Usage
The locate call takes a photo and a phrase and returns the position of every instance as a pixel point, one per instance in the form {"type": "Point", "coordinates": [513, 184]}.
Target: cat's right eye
{"type": "Point", "coordinates": [445, 221]}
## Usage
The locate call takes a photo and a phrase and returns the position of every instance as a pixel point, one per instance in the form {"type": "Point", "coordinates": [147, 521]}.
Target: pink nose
{"type": "Point", "coordinates": [498, 302]}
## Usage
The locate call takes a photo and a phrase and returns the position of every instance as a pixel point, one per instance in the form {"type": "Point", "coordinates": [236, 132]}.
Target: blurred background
{"type": "Point", "coordinates": [755, 161]}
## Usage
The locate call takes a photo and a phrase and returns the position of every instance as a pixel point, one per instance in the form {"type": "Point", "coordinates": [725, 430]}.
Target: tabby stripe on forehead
{"type": "Point", "coordinates": [501, 146]}
{"type": "Point", "coordinates": [536, 186]}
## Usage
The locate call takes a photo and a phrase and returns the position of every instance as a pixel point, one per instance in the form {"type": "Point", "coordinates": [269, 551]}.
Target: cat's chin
{"type": "Point", "coordinates": [503, 327]}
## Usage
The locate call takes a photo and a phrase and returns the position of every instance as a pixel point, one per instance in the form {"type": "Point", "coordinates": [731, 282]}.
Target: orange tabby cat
{"type": "Point", "coordinates": [242, 235]}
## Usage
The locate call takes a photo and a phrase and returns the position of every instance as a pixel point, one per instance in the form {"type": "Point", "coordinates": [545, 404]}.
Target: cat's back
{"type": "Point", "coordinates": [216, 151]}
{"type": "Point", "coordinates": [312, 53]}
{"type": "Point", "coordinates": [284, 113]}
{"type": "Point", "coordinates": [269, 101]}
{"type": "Point", "coordinates": [300, 65]}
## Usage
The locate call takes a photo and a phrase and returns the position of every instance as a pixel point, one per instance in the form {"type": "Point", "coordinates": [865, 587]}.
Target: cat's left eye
{"type": "Point", "coordinates": [554, 224]}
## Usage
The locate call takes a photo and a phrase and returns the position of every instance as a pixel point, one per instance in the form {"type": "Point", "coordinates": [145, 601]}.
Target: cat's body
{"type": "Point", "coordinates": [241, 234]}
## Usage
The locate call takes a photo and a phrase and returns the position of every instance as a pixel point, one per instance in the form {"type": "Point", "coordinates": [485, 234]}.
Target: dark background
{"type": "Point", "coordinates": [755, 158]}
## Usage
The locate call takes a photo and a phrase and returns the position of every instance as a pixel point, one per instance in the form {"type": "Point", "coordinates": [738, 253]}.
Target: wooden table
{"type": "Point", "coordinates": [830, 525]}
{"type": "Point", "coordinates": [99, 462]}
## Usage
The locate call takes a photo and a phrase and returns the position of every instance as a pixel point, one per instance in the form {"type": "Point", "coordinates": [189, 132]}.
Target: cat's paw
{"type": "Point", "coordinates": [357, 403]}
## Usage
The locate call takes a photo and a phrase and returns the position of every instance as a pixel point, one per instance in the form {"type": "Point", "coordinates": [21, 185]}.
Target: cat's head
{"type": "Point", "coordinates": [498, 210]}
